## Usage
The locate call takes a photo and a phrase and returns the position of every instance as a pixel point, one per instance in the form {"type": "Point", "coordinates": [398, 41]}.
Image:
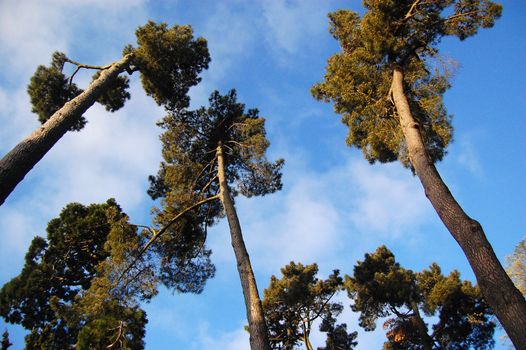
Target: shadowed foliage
{"type": "Point", "coordinates": [298, 299]}
{"type": "Point", "coordinates": [81, 286]}
{"type": "Point", "coordinates": [381, 288]}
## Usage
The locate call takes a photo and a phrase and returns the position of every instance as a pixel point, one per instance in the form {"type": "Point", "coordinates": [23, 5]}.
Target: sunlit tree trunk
{"type": "Point", "coordinates": [256, 320]}
{"type": "Point", "coordinates": [306, 333]}
{"type": "Point", "coordinates": [26, 154]}
{"type": "Point", "coordinates": [496, 286]}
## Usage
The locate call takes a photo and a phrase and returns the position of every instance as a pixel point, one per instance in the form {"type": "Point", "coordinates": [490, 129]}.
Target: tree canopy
{"type": "Point", "coordinates": [388, 83]}
{"type": "Point", "coordinates": [62, 272]}
{"type": "Point", "coordinates": [396, 34]}
{"type": "Point", "coordinates": [381, 288]}
{"type": "Point", "coordinates": [188, 173]}
{"type": "Point", "coordinates": [169, 60]}
{"type": "Point", "coordinates": [82, 285]}
{"type": "Point", "coordinates": [294, 302]}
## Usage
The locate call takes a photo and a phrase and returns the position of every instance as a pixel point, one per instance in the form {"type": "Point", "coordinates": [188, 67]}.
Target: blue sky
{"type": "Point", "coordinates": [334, 206]}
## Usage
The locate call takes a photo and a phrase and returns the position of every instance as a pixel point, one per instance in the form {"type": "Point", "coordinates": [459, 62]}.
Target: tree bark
{"type": "Point", "coordinates": [256, 320]}
{"type": "Point", "coordinates": [306, 334]}
{"type": "Point", "coordinates": [15, 165]}
{"type": "Point", "coordinates": [427, 342]}
{"type": "Point", "coordinates": [496, 286]}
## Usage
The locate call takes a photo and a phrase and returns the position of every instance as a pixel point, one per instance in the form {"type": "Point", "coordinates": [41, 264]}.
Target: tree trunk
{"type": "Point", "coordinates": [427, 342]}
{"type": "Point", "coordinates": [256, 320]}
{"type": "Point", "coordinates": [306, 334]}
{"type": "Point", "coordinates": [26, 154]}
{"type": "Point", "coordinates": [496, 286]}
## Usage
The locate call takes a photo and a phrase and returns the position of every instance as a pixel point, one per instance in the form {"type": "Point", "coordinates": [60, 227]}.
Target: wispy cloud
{"type": "Point", "coordinates": [293, 26]}
{"type": "Point", "coordinates": [387, 199]}
{"type": "Point", "coordinates": [313, 217]}
{"type": "Point", "coordinates": [467, 156]}
{"type": "Point", "coordinates": [230, 340]}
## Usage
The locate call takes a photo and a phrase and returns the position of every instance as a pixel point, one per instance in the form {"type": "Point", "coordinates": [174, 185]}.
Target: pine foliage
{"type": "Point", "coordinates": [188, 175]}
{"type": "Point", "coordinates": [381, 288]}
{"type": "Point", "coordinates": [400, 34]}
{"type": "Point", "coordinates": [295, 301]}
{"type": "Point", "coordinates": [70, 291]}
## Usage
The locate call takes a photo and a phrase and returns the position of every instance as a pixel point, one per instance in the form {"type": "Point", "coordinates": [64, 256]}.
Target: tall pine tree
{"type": "Point", "coordinates": [389, 90]}
{"type": "Point", "coordinates": [210, 155]}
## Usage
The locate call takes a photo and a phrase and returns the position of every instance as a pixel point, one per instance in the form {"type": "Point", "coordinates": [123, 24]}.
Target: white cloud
{"type": "Point", "coordinates": [388, 200]}
{"type": "Point", "coordinates": [29, 32]}
{"type": "Point", "coordinates": [467, 156]}
{"type": "Point", "coordinates": [293, 26]}
{"type": "Point", "coordinates": [232, 340]}
{"type": "Point", "coordinates": [111, 157]}
{"type": "Point", "coordinates": [313, 218]}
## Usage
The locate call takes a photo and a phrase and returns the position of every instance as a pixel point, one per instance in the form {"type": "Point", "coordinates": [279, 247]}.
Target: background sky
{"type": "Point", "coordinates": [334, 206]}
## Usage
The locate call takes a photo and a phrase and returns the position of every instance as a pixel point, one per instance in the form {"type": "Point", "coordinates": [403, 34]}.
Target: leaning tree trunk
{"type": "Point", "coordinates": [257, 326]}
{"type": "Point", "coordinates": [496, 286]}
{"type": "Point", "coordinates": [26, 154]}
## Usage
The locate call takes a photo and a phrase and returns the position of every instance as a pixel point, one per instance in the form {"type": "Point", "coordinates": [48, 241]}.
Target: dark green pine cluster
{"type": "Point", "coordinates": [188, 175]}
{"type": "Point", "coordinates": [298, 299]}
{"type": "Point", "coordinates": [68, 293]}
{"type": "Point", "coordinates": [49, 89]}
{"type": "Point", "coordinates": [169, 61]}
{"type": "Point", "coordinates": [401, 34]}
{"type": "Point", "coordinates": [381, 288]}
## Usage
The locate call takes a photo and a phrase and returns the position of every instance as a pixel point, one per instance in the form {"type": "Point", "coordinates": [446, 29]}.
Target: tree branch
{"type": "Point", "coordinates": [164, 229]}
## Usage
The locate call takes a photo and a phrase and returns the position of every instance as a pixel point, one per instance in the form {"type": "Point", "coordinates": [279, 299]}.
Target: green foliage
{"type": "Point", "coordinates": [49, 90]}
{"type": "Point", "coordinates": [516, 266]}
{"type": "Point", "coordinates": [70, 282]}
{"type": "Point", "coordinates": [188, 175]}
{"type": "Point", "coordinates": [380, 287]}
{"type": "Point", "coordinates": [401, 34]}
{"type": "Point", "coordinates": [116, 94]}
{"type": "Point", "coordinates": [5, 340]}
{"type": "Point", "coordinates": [338, 338]}
{"type": "Point", "coordinates": [170, 60]}
{"type": "Point", "coordinates": [292, 303]}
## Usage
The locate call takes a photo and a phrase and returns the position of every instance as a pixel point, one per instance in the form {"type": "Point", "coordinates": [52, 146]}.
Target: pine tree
{"type": "Point", "coordinates": [295, 301]}
{"type": "Point", "coordinates": [210, 155]}
{"type": "Point", "coordinates": [81, 286]}
{"type": "Point", "coordinates": [388, 86]}
{"type": "Point", "coordinates": [168, 59]}
{"type": "Point", "coordinates": [380, 287]}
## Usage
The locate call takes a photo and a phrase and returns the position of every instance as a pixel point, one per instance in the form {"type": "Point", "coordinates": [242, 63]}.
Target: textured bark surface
{"type": "Point", "coordinates": [15, 165]}
{"type": "Point", "coordinates": [499, 291]}
{"type": "Point", "coordinates": [257, 326]}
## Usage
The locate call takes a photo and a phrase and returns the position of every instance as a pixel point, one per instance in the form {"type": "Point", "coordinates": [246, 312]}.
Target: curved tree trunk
{"type": "Point", "coordinates": [306, 334]}
{"type": "Point", "coordinates": [15, 165]}
{"type": "Point", "coordinates": [427, 342]}
{"type": "Point", "coordinates": [256, 320]}
{"type": "Point", "coordinates": [496, 286]}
